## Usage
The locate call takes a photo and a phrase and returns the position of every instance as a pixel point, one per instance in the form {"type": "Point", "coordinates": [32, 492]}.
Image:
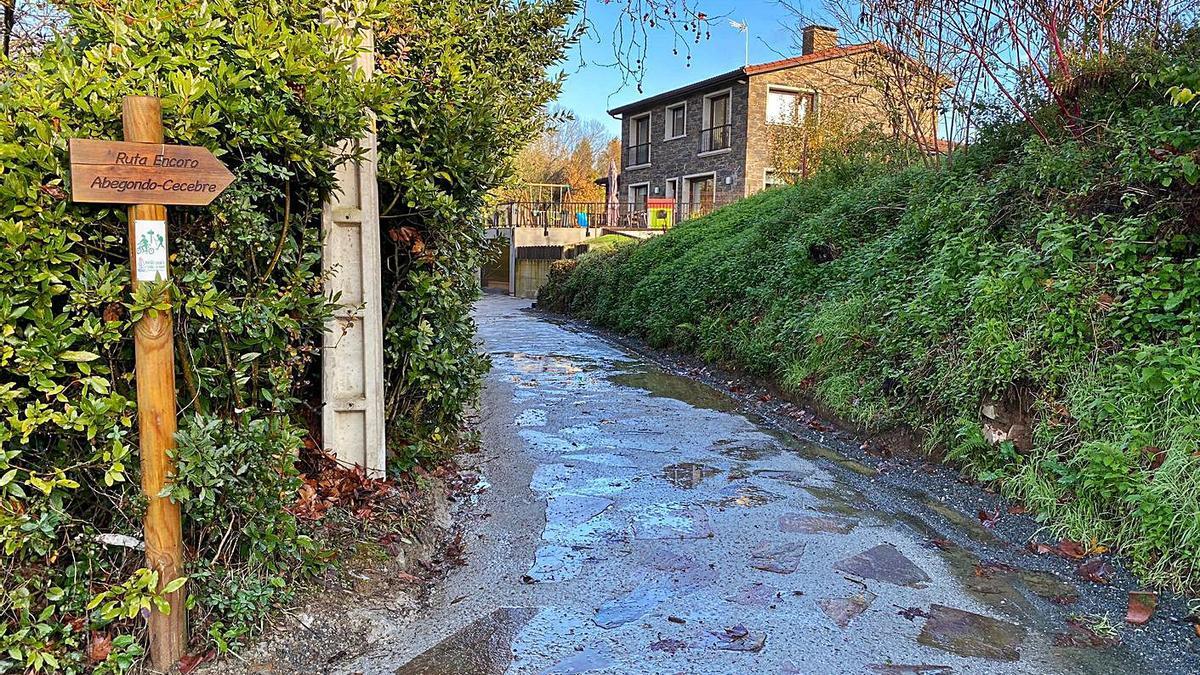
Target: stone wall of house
{"type": "Point", "coordinates": [681, 157]}
{"type": "Point", "coordinates": [851, 85]}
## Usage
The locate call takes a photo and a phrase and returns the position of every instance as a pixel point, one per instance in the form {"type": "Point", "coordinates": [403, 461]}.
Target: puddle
{"type": "Point", "coordinates": [754, 595]}
{"type": "Point", "coordinates": [910, 669]}
{"type": "Point", "coordinates": [841, 500]}
{"type": "Point", "coordinates": [555, 563]}
{"type": "Point", "coordinates": [797, 522]}
{"type": "Point", "coordinates": [1048, 587]}
{"type": "Point", "coordinates": [596, 657]}
{"type": "Point", "coordinates": [844, 610]}
{"type": "Point", "coordinates": [813, 451]}
{"type": "Point", "coordinates": [778, 558]}
{"type": "Point", "coordinates": [745, 495]}
{"type": "Point", "coordinates": [793, 477]}
{"type": "Point", "coordinates": [666, 560]}
{"type": "Point", "coordinates": [748, 453]}
{"type": "Point", "coordinates": [482, 647]}
{"type": "Point", "coordinates": [969, 634]}
{"type": "Point", "coordinates": [544, 363]}
{"type": "Point", "coordinates": [672, 521]}
{"type": "Point", "coordinates": [885, 563]}
{"type": "Point", "coordinates": [999, 585]}
{"type": "Point", "coordinates": [969, 524]}
{"type": "Point", "coordinates": [550, 477]}
{"type": "Point", "coordinates": [603, 459]}
{"type": "Point", "coordinates": [548, 442]}
{"type": "Point", "coordinates": [687, 475]}
{"type": "Point", "coordinates": [665, 385]}
{"type": "Point", "coordinates": [572, 519]}
{"type": "Point", "coordinates": [632, 606]}
{"type": "Point", "coordinates": [534, 417]}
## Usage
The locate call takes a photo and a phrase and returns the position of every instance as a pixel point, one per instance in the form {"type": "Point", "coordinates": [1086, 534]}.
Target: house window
{"type": "Point", "coordinates": [774, 178]}
{"type": "Point", "coordinates": [638, 150]}
{"type": "Point", "coordinates": [672, 188]}
{"type": "Point", "coordinates": [638, 195]}
{"type": "Point", "coordinates": [676, 121]}
{"type": "Point", "coordinates": [785, 106]}
{"type": "Point", "coordinates": [700, 195]}
{"type": "Point", "coordinates": [718, 130]}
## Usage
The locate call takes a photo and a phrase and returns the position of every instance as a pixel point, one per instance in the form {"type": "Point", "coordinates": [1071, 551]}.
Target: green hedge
{"type": "Point", "coordinates": [265, 85]}
{"type": "Point", "coordinates": [1062, 274]}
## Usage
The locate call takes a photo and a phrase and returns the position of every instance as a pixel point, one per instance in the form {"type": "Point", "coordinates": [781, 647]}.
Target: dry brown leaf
{"type": "Point", "coordinates": [1141, 607]}
{"type": "Point", "coordinates": [99, 647]}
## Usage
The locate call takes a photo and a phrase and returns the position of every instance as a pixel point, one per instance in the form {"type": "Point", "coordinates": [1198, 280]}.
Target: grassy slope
{"type": "Point", "coordinates": [1065, 273]}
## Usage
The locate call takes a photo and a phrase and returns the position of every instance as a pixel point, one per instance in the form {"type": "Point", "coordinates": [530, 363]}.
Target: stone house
{"type": "Point", "coordinates": [710, 142]}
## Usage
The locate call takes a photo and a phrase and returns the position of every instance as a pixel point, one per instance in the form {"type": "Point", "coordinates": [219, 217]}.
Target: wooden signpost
{"type": "Point", "coordinates": [148, 175]}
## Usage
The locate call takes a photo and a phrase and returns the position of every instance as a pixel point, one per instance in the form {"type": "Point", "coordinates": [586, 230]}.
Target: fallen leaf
{"type": "Point", "coordinates": [1016, 509]}
{"type": "Point", "coordinates": [1095, 570]}
{"type": "Point", "coordinates": [1071, 549]}
{"type": "Point", "coordinates": [1065, 548]}
{"type": "Point", "coordinates": [1141, 607]}
{"type": "Point", "coordinates": [816, 425]}
{"type": "Point", "coordinates": [1157, 456]}
{"type": "Point", "coordinates": [188, 663]}
{"type": "Point", "coordinates": [989, 518]}
{"type": "Point", "coordinates": [943, 544]}
{"type": "Point", "coordinates": [99, 647]}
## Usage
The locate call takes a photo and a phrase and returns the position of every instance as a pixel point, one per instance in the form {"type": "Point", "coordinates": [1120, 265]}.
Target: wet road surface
{"type": "Point", "coordinates": [630, 521]}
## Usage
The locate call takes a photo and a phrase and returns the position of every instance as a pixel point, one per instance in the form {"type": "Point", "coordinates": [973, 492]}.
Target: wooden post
{"type": "Point", "coordinates": [155, 371]}
{"type": "Point", "coordinates": [352, 385]}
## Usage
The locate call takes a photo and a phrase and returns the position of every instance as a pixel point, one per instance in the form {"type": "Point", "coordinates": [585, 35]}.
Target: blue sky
{"type": "Point", "coordinates": [592, 87]}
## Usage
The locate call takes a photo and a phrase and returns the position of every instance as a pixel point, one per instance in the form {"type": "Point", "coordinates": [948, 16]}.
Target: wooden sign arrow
{"type": "Point", "coordinates": [120, 172]}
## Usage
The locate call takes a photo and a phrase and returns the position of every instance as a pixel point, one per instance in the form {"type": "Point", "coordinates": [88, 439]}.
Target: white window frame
{"type": "Point", "coordinates": [685, 186]}
{"type": "Point", "coordinates": [706, 120]}
{"type": "Point", "coordinates": [668, 118]}
{"type": "Point", "coordinates": [816, 96]}
{"type": "Point", "coordinates": [671, 189]}
{"type": "Point", "coordinates": [629, 190]}
{"type": "Point", "coordinates": [649, 132]}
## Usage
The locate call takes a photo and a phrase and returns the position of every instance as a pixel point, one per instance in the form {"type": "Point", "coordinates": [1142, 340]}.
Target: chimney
{"type": "Point", "coordinates": [818, 38]}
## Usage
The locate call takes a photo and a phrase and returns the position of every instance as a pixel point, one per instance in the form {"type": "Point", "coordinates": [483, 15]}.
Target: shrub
{"type": "Point", "coordinates": [266, 85]}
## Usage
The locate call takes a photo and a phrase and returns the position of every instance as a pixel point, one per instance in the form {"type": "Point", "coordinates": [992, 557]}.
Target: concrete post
{"type": "Point", "coordinates": [512, 261]}
{"type": "Point", "coordinates": [352, 415]}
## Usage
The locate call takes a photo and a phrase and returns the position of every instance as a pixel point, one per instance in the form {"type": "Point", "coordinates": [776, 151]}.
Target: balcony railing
{"type": "Point", "coordinates": [568, 214]}
{"type": "Point", "coordinates": [716, 138]}
{"type": "Point", "coordinates": [625, 215]}
{"type": "Point", "coordinates": [637, 155]}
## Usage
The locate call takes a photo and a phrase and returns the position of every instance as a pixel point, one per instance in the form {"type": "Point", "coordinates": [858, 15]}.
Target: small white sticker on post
{"type": "Point", "coordinates": [150, 250]}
